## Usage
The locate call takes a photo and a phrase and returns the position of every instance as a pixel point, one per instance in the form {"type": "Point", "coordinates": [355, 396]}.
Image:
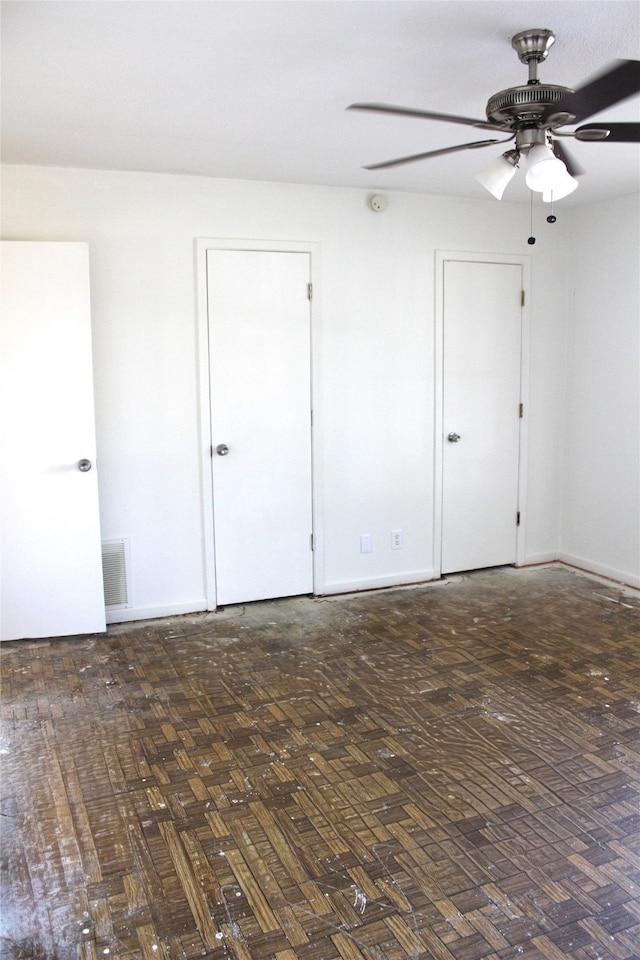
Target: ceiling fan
{"type": "Point", "coordinates": [532, 115]}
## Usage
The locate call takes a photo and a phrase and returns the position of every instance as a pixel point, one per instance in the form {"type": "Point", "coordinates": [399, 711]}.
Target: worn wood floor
{"type": "Point", "coordinates": [450, 772]}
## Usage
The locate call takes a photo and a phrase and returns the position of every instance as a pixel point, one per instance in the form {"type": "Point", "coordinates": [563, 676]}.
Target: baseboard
{"type": "Point", "coordinates": [535, 559]}
{"type": "Point", "coordinates": [376, 583]}
{"type": "Point", "coordinates": [600, 569]}
{"type": "Point", "coordinates": [126, 614]}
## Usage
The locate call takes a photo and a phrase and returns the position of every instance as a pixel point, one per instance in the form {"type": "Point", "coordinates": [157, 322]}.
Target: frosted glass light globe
{"type": "Point", "coordinates": [544, 170]}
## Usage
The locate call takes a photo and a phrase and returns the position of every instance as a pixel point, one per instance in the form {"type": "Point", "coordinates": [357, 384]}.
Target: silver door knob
{"type": "Point", "coordinates": [84, 465]}
{"type": "Point", "coordinates": [222, 449]}
{"type": "Point", "coordinates": [453, 437]}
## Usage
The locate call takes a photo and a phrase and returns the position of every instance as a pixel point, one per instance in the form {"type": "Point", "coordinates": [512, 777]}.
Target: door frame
{"type": "Point", "coordinates": [203, 245]}
{"type": "Point", "coordinates": [441, 257]}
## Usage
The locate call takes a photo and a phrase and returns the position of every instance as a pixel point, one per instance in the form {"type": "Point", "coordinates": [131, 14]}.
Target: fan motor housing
{"type": "Point", "coordinates": [525, 104]}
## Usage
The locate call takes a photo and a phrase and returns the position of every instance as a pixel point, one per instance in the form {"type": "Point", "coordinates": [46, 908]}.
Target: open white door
{"type": "Point", "coordinates": [51, 565]}
{"type": "Point", "coordinates": [481, 413]}
{"type": "Point", "coordinates": [260, 392]}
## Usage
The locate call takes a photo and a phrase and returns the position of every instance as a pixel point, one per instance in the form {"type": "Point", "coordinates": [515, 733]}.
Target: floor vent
{"type": "Point", "coordinates": [114, 572]}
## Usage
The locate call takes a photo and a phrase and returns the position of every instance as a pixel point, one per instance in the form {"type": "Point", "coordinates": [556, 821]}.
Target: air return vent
{"type": "Point", "coordinates": [114, 572]}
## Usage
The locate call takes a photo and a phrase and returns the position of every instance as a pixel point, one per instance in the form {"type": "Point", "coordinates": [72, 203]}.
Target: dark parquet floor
{"type": "Point", "coordinates": [450, 771]}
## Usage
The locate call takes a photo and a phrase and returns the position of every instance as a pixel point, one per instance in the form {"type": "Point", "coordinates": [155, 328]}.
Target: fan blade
{"type": "Point", "coordinates": [622, 80]}
{"type": "Point", "coordinates": [615, 132]}
{"type": "Point", "coordinates": [434, 153]}
{"type": "Point", "coordinates": [573, 169]}
{"type": "Point", "coordinates": [424, 114]}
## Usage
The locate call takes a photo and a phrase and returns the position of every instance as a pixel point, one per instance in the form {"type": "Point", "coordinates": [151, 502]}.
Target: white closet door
{"type": "Point", "coordinates": [260, 368]}
{"type": "Point", "coordinates": [481, 401]}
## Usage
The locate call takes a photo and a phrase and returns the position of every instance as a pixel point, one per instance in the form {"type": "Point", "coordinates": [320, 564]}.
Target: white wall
{"type": "Point", "coordinates": [374, 367]}
{"type": "Point", "coordinates": [601, 496]}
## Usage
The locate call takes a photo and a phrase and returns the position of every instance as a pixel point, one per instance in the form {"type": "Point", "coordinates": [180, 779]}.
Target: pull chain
{"type": "Point", "coordinates": [531, 239]}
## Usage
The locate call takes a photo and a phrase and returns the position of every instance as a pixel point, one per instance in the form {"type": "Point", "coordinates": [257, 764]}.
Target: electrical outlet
{"type": "Point", "coordinates": [396, 539]}
{"type": "Point", "coordinates": [365, 543]}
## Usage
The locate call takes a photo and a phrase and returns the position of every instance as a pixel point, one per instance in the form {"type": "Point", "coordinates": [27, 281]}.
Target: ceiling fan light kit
{"type": "Point", "coordinates": [544, 170]}
{"type": "Point", "coordinates": [499, 173]}
{"type": "Point", "coordinates": [561, 190]}
{"type": "Point", "coordinates": [531, 115]}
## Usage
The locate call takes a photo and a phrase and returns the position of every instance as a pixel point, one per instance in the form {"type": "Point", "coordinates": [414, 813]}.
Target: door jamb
{"type": "Point", "coordinates": [202, 245]}
{"type": "Point", "coordinates": [442, 256]}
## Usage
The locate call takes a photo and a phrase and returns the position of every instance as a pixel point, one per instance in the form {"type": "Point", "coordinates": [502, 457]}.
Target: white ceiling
{"type": "Point", "coordinates": [258, 90]}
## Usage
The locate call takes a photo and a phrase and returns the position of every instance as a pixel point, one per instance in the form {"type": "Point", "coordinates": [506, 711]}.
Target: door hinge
{"type": "Point", "coordinates": [309, 291]}
{"type": "Point", "coordinates": [521, 410]}
{"type": "Point", "coordinates": [518, 519]}
{"type": "Point", "coordinates": [312, 542]}
{"type": "Point", "coordinates": [522, 298]}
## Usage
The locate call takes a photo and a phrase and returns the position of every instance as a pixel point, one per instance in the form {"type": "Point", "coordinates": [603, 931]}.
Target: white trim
{"type": "Point", "coordinates": [126, 614]}
{"type": "Point", "coordinates": [375, 583]}
{"type": "Point", "coordinates": [278, 246]}
{"type": "Point", "coordinates": [580, 571]}
{"type": "Point", "coordinates": [536, 559]}
{"type": "Point", "coordinates": [438, 377]}
{"type": "Point", "coordinates": [600, 569]}
{"type": "Point", "coordinates": [416, 578]}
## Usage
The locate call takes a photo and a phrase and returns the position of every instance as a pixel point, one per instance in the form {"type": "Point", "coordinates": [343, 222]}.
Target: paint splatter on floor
{"type": "Point", "coordinates": [445, 771]}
